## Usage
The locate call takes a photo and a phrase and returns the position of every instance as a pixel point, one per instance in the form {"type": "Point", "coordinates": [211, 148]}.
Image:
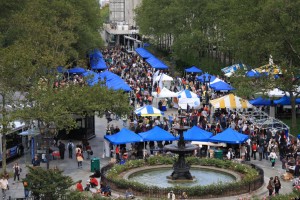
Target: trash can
{"type": "Point", "coordinates": [95, 164]}
{"type": "Point", "coordinates": [219, 154]}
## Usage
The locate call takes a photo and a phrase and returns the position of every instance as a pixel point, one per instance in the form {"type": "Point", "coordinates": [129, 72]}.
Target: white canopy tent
{"type": "Point", "coordinates": [164, 93]}
{"type": "Point", "coordinates": [163, 77]}
{"type": "Point", "coordinates": [186, 97]}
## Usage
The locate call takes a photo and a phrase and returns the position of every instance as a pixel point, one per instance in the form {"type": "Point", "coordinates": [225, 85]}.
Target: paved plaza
{"type": "Point", "coordinates": [69, 166]}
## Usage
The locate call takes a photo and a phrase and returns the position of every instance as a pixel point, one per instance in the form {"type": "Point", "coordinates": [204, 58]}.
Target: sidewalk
{"type": "Point", "coordinates": [69, 166]}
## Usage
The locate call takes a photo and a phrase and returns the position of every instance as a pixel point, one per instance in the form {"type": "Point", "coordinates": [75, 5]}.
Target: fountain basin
{"type": "Point", "coordinates": [202, 175]}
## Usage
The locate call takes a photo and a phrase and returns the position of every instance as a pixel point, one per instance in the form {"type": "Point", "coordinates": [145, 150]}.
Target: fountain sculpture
{"type": "Point", "coordinates": [181, 168]}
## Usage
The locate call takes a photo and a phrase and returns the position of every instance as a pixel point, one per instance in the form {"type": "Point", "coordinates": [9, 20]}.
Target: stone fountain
{"type": "Point", "coordinates": [181, 169]}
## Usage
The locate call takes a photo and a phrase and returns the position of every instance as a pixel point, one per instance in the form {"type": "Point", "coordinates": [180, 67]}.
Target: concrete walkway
{"type": "Point", "coordinates": [69, 166]}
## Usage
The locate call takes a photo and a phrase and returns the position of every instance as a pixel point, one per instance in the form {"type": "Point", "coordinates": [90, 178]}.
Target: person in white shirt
{"type": "Point", "coordinates": [4, 186]}
{"type": "Point", "coordinates": [171, 195]}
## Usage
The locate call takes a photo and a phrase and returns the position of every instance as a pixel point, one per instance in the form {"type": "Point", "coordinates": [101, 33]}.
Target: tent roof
{"type": "Point", "coordinates": [92, 77]}
{"type": "Point", "coordinates": [276, 93]}
{"type": "Point", "coordinates": [123, 137]}
{"type": "Point", "coordinates": [252, 73]}
{"type": "Point", "coordinates": [231, 69]}
{"type": "Point", "coordinates": [157, 134]}
{"type": "Point", "coordinates": [197, 134]}
{"type": "Point", "coordinates": [164, 77]}
{"type": "Point", "coordinates": [60, 69]}
{"type": "Point", "coordinates": [285, 100]}
{"type": "Point", "coordinates": [260, 102]}
{"type": "Point", "coordinates": [221, 85]}
{"type": "Point", "coordinates": [76, 70]}
{"type": "Point", "coordinates": [156, 63]}
{"type": "Point", "coordinates": [230, 101]}
{"type": "Point", "coordinates": [113, 81]}
{"type": "Point", "coordinates": [148, 110]}
{"type": "Point", "coordinates": [186, 94]}
{"type": "Point", "coordinates": [164, 93]}
{"type": "Point", "coordinates": [229, 136]}
{"type": "Point", "coordinates": [98, 64]}
{"type": "Point", "coordinates": [96, 53]}
{"type": "Point", "coordinates": [206, 75]}
{"type": "Point", "coordinates": [193, 69]}
{"type": "Point", "coordinates": [144, 53]}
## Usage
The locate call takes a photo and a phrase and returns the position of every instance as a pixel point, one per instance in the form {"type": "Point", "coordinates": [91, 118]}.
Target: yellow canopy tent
{"type": "Point", "coordinates": [230, 101]}
{"type": "Point", "coordinates": [270, 69]}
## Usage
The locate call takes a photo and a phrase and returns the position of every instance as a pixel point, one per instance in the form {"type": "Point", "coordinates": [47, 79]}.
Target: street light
{"type": "Point", "coordinates": [47, 133]}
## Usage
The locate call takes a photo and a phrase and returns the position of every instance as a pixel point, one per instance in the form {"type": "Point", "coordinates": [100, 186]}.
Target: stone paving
{"type": "Point", "coordinates": [69, 166]}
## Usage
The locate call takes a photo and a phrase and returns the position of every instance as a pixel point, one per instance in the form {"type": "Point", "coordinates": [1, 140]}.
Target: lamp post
{"type": "Point", "coordinates": [47, 134]}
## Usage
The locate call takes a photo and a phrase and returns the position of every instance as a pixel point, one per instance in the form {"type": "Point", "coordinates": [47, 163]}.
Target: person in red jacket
{"type": "Point", "coordinates": [79, 186]}
{"type": "Point", "coordinates": [93, 182]}
{"type": "Point", "coordinates": [254, 149]}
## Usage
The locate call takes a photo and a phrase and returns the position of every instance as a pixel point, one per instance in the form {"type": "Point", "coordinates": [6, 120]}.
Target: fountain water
{"type": "Point", "coordinates": [181, 168]}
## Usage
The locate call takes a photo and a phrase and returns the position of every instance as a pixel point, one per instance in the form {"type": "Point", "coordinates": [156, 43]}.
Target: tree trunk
{"type": "Point", "coordinates": [294, 119]}
{"type": "Point", "coordinates": [4, 130]}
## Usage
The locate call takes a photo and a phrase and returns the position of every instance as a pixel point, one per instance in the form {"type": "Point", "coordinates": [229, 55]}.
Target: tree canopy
{"type": "Point", "coordinates": [36, 36]}
{"type": "Point", "coordinates": [231, 31]}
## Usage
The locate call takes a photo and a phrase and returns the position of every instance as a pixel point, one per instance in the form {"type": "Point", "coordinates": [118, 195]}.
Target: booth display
{"type": "Point", "coordinates": [230, 101]}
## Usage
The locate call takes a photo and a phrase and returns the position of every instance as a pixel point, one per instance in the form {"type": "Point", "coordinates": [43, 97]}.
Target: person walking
{"type": "Point", "coordinates": [277, 185]}
{"type": "Point", "coordinates": [3, 186]}
{"type": "Point", "coordinates": [62, 149]}
{"type": "Point", "coordinates": [88, 149]}
{"type": "Point", "coordinates": [70, 148]}
{"type": "Point", "coordinates": [17, 171]}
{"type": "Point", "coordinates": [273, 157]}
{"type": "Point", "coordinates": [26, 186]}
{"type": "Point", "coordinates": [271, 186]}
{"type": "Point", "coordinates": [79, 158]}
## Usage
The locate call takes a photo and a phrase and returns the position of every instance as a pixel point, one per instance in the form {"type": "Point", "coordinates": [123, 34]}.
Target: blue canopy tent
{"type": "Point", "coordinates": [76, 70]}
{"type": "Point", "coordinates": [206, 79]}
{"type": "Point", "coordinates": [118, 84]}
{"type": "Point", "coordinates": [95, 54]}
{"type": "Point", "coordinates": [92, 78]}
{"type": "Point", "coordinates": [193, 69]}
{"type": "Point", "coordinates": [260, 102]}
{"type": "Point", "coordinates": [252, 73]}
{"type": "Point", "coordinates": [144, 53]}
{"type": "Point", "coordinates": [123, 137]}
{"type": "Point", "coordinates": [285, 100]}
{"type": "Point", "coordinates": [60, 69]}
{"type": "Point", "coordinates": [108, 75]}
{"type": "Point", "coordinates": [98, 64]}
{"type": "Point", "coordinates": [197, 134]}
{"type": "Point", "coordinates": [298, 136]}
{"type": "Point", "coordinates": [229, 136]}
{"type": "Point", "coordinates": [221, 85]}
{"type": "Point", "coordinates": [148, 110]}
{"type": "Point", "coordinates": [157, 134]}
{"type": "Point", "coordinates": [156, 63]}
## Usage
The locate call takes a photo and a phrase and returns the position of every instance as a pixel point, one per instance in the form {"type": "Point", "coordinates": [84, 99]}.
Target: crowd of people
{"type": "Point", "coordinates": [262, 144]}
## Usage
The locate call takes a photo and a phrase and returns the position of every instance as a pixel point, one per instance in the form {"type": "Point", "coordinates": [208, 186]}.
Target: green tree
{"type": "Point", "coordinates": [36, 36]}
{"type": "Point", "coordinates": [48, 184]}
{"type": "Point", "coordinates": [59, 106]}
{"type": "Point", "coordinates": [262, 28]}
